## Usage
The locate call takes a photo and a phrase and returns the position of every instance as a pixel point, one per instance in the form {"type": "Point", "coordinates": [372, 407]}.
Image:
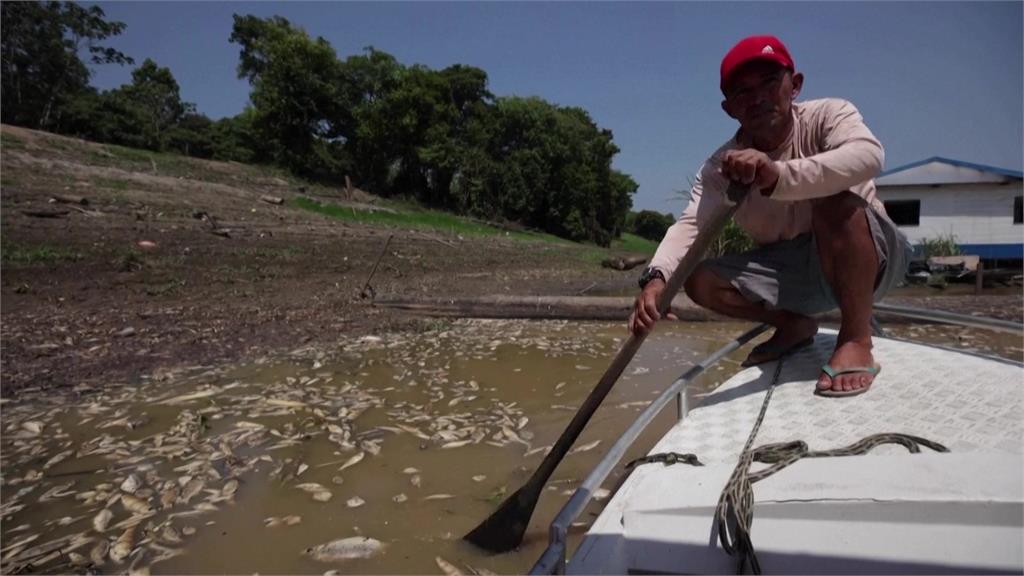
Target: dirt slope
{"type": "Point", "coordinates": [84, 303]}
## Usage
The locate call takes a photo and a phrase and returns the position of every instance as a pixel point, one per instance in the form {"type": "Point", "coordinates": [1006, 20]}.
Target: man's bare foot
{"type": "Point", "coordinates": [789, 335]}
{"type": "Point", "coordinates": [849, 354]}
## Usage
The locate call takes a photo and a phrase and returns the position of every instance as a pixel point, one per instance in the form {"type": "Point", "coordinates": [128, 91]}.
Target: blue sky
{"type": "Point", "coordinates": [930, 78]}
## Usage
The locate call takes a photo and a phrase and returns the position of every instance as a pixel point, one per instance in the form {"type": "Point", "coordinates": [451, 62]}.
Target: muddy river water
{"type": "Point", "coordinates": [400, 443]}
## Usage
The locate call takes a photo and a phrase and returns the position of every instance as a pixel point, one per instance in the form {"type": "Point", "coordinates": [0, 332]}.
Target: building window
{"type": "Point", "coordinates": [1018, 210]}
{"type": "Point", "coordinates": [904, 212]}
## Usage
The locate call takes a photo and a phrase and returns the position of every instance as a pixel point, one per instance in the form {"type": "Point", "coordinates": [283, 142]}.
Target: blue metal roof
{"type": "Point", "coordinates": [960, 163]}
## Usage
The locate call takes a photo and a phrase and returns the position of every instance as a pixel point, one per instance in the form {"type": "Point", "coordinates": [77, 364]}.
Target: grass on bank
{"type": "Point", "coordinates": [36, 255]}
{"type": "Point", "coordinates": [408, 216]}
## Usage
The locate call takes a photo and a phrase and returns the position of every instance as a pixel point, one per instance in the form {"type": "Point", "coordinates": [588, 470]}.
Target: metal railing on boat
{"type": "Point", "coordinates": [553, 560]}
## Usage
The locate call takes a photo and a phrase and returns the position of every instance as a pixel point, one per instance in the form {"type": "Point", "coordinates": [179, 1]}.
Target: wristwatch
{"type": "Point", "coordinates": [650, 274]}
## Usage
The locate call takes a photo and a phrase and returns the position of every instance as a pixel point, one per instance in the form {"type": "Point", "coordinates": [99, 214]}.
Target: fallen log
{"type": "Point", "coordinates": [46, 213]}
{"type": "Point", "coordinates": [68, 199]}
{"type": "Point", "coordinates": [541, 307]}
{"type": "Point", "coordinates": [622, 263]}
{"type": "Point", "coordinates": [613, 308]}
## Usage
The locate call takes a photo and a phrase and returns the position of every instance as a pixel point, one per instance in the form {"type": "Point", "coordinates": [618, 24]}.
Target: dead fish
{"type": "Point", "coordinates": [131, 484]}
{"type": "Point", "coordinates": [188, 530]}
{"type": "Point", "coordinates": [230, 487]}
{"type": "Point", "coordinates": [585, 447]}
{"type": "Point", "coordinates": [337, 480]}
{"type": "Point", "coordinates": [33, 427]}
{"type": "Point", "coordinates": [135, 505]}
{"type": "Point", "coordinates": [439, 497]}
{"type": "Point", "coordinates": [323, 496]}
{"type": "Point", "coordinates": [399, 498]}
{"type": "Point", "coordinates": [410, 471]}
{"type": "Point", "coordinates": [602, 493]}
{"type": "Point", "coordinates": [302, 468]}
{"type": "Point", "coordinates": [102, 520]}
{"type": "Point", "coordinates": [77, 559]}
{"type": "Point", "coordinates": [168, 497]}
{"type": "Point", "coordinates": [188, 397]}
{"type": "Point", "coordinates": [58, 458]}
{"type": "Point", "coordinates": [169, 534]}
{"type": "Point", "coordinates": [446, 567]}
{"type": "Point", "coordinates": [274, 521]}
{"type": "Point", "coordinates": [285, 403]}
{"type": "Point", "coordinates": [123, 547]}
{"type": "Point", "coordinates": [192, 488]}
{"type": "Point", "coordinates": [544, 449]}
{"type": "Point", "coordinates": [352, 461]}
{"type": "Point", "coordinates": [355, 502]}
{"type": "Point", "coordinates": [58, 491]}
{"type": "Point", "coordinates": [311, 487]}
{"type": "Point", "coordinates": [456, 444]}
{"type": "Point", "coordinates": [415, 480]}
{"type": "Point", "coordinates": [479, 478]}
{"type": "Point", "coordinates": [98, 554]}
{"type": "Point", "coordinates": [346, 549]}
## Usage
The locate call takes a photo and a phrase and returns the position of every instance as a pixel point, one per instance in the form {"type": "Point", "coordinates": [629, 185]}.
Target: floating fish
{"type": "Point", "coordinates": [352, 461]}
{"type": "Point", "coordinates": [98, 554]}
{"type": "Point", "coordinates": [585, 447]}
{"type": "Point", "coordinates": [346, 549]}
{"type": "Point", "coordinates": [439, 497]}
{"type": "Point", "coordinates": [189, 397]}
{"type": "Point", "coordinates": [399, 498]}
{"type": "Point", "coordinates": [446, 567]}
{"type": "Point", "coordinates": [123, 546]}
{"type": "Point", "coordinates": [58, 458]}
{"type": "Point", "coordinates": [456, 444]}
{"type": "Point", "coordinates": [355, 502]}
{"type": "Point", "coordinates": [131, 484]}
{"type": "Point", "coordinates": [135, 505]}
{"type": "Point", "coordinates": [102, 520]}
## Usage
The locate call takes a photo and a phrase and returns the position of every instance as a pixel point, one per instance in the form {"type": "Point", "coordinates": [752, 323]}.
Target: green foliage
{"type": "Point", "coordinates": [296, 97]}
{"type": "Point", "coordinates": [941, 245]}
{"type": "Point", "coordinates": [435, 136]}
{"type": "Point", "coordinates": [732, 240]}
{"type": "Point", "coordinates": [41, 71]}
{"type": "Point", "coordinates": [651, 225]}
{"type": "Point", "coordinates": [413, 217]}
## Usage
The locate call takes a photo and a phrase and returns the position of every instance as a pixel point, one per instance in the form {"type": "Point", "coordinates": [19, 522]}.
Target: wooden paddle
{"type": "Point", "coordinates": [503, 530]}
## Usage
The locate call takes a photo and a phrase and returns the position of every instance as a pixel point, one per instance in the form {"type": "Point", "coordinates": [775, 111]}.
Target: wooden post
{"type": "Point", "coordinates": [978, 273]}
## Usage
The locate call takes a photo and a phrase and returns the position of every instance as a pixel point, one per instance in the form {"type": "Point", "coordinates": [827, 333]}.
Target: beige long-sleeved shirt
{"type": "Point", "coordinates": [829, 150]}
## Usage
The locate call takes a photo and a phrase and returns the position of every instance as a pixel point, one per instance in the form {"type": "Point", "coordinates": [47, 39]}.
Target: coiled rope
{"type": "Point", "coordinates": [735, 511]}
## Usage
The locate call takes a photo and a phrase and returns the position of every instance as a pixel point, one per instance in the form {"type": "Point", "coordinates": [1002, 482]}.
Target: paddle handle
{"type": "Point", "coordinates": [719, 218]}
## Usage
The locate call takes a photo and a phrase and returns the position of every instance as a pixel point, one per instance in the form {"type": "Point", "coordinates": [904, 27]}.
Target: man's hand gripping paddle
{"type": "Point", "coordinates": [503, 530]}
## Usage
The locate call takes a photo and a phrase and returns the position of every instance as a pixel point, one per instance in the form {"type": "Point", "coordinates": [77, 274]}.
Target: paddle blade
{"type": "Point", "coordinates": [504, 529]}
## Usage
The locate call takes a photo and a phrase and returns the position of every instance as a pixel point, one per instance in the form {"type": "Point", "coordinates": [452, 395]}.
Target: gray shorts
{"type": "Point", "coordinates": [787, 275]}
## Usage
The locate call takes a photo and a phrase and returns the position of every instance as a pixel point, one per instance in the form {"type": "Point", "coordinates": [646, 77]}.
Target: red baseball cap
{"type": "Point", "coordinates": [755, 48]}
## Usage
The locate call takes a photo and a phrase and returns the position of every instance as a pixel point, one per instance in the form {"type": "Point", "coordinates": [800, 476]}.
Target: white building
{"type": "Point", "coordinates": [980, 205]}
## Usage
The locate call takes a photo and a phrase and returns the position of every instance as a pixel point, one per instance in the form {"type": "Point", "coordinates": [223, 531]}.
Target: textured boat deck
{"type": "Point", "coordinates": [971, 404]}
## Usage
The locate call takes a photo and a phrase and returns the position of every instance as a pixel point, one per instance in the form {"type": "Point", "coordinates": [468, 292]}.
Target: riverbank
{"type": "Point", "coordinates": [174, 262]}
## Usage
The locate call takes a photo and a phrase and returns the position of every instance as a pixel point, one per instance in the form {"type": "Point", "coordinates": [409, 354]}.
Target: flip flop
{"type": "Point", "coordinates": [775, 350]}
{"type": "Point", "coordinates": [832, 373]}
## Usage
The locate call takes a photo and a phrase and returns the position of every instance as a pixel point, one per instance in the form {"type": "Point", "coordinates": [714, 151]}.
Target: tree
{"type": "Point", "coordinates": [652, 225]}
{"type": "Point", "coordinates": [153, 101]}
{"type": "Point", "coordinates": [295, 96]}
{"type": "Point", "coordinates": [41, 70]}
